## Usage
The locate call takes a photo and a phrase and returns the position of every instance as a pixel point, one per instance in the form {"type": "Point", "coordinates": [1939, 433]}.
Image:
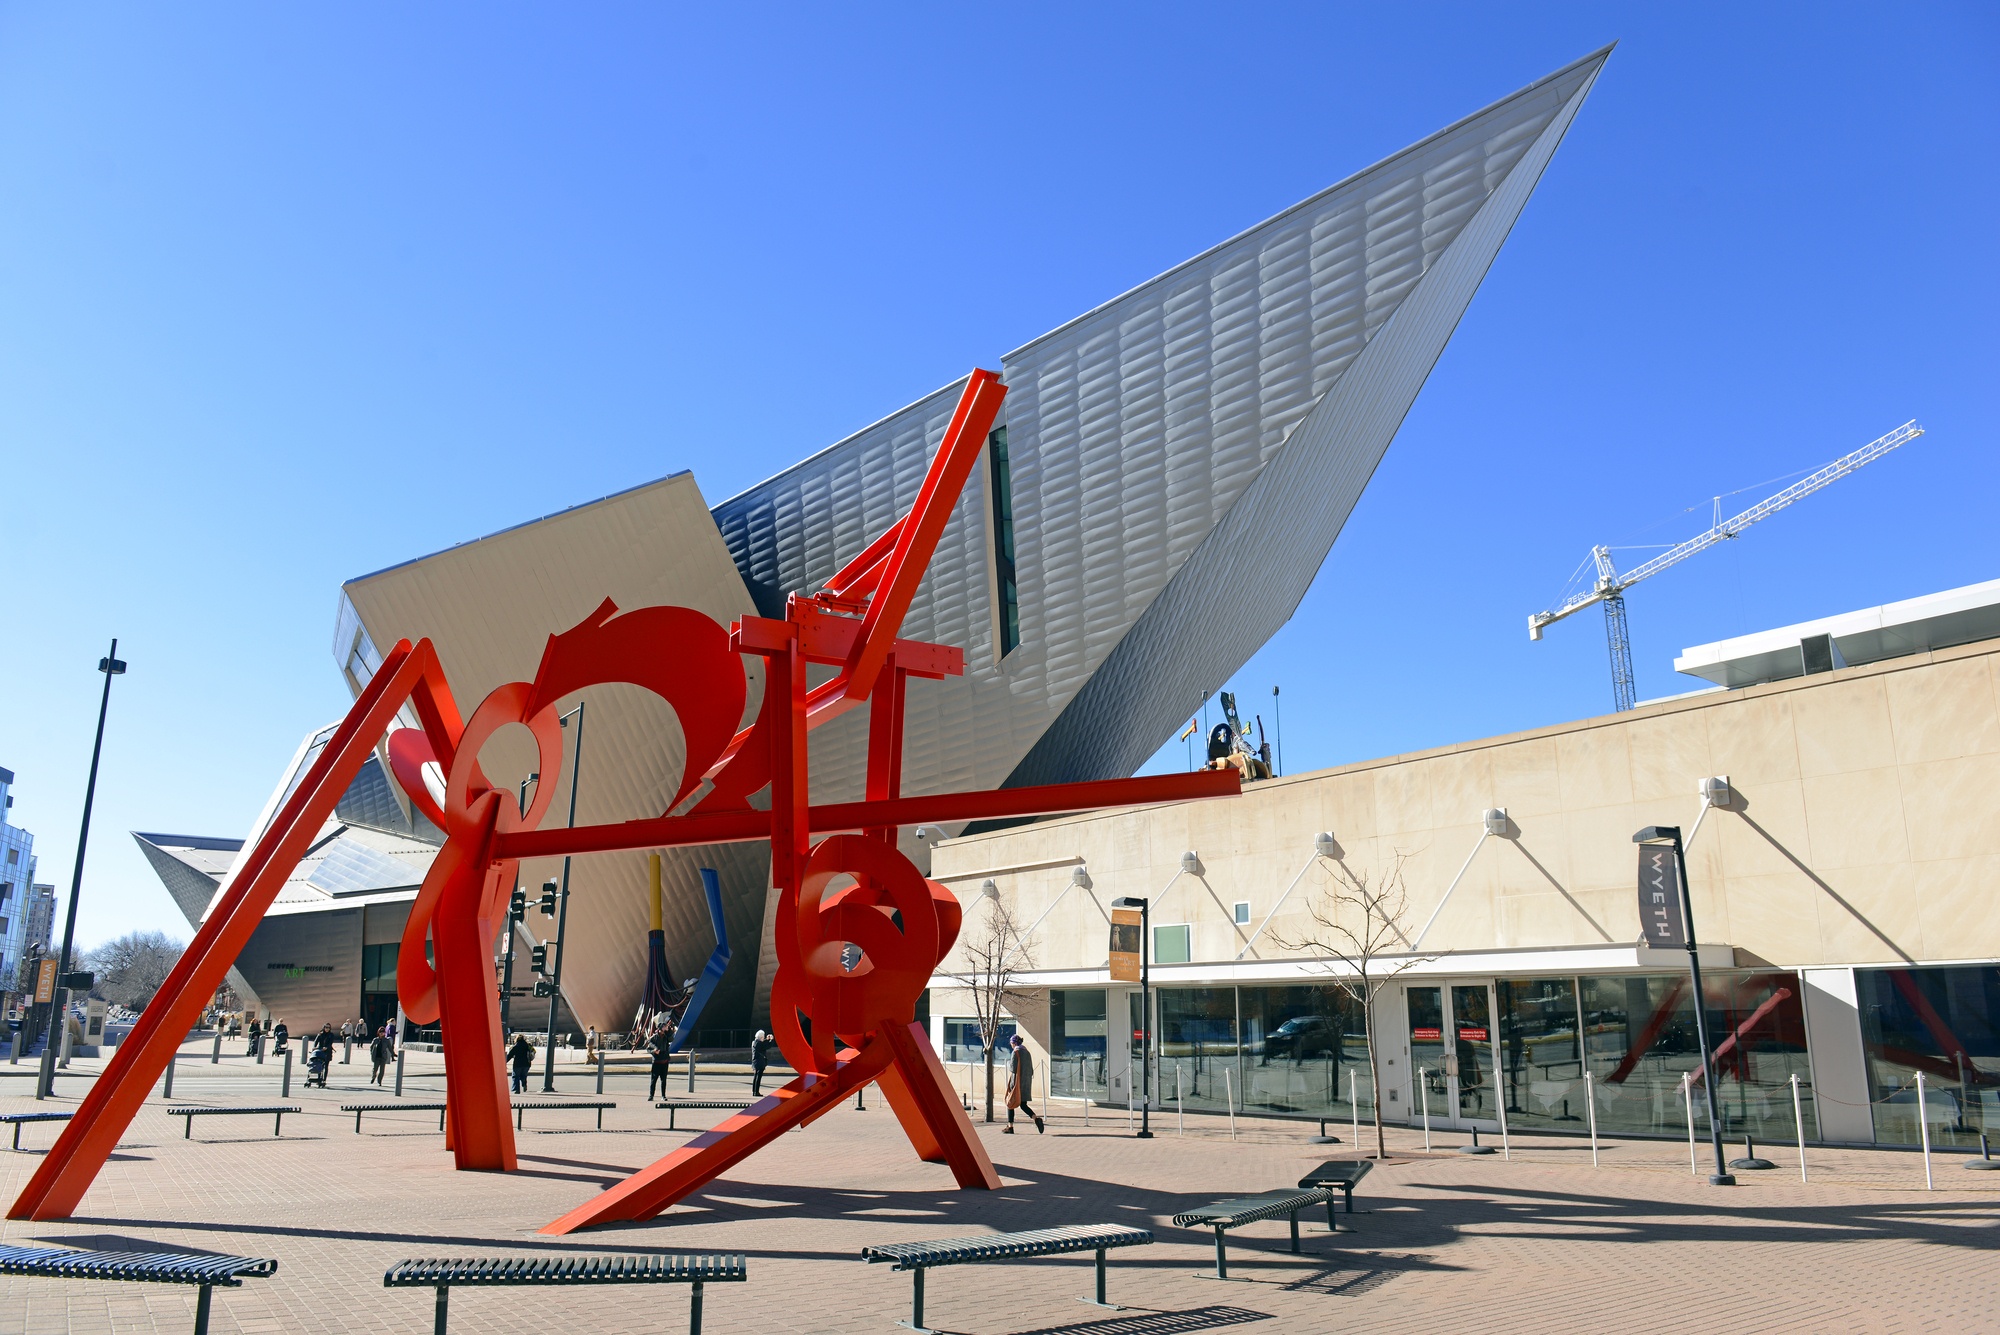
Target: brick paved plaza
{"type": "Point", "coordinates": [1439, 1242]}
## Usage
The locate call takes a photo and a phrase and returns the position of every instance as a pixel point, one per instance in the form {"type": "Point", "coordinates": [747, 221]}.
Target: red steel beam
{"type": "Point", "coordinates": [735, 827]}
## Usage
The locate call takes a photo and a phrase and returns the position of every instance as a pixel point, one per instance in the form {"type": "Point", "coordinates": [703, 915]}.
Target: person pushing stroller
{"type": "Point", "coordinates": [321, 1058]}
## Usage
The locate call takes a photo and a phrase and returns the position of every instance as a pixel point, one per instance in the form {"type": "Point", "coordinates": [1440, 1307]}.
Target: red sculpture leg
{"type": "Point", "coordinates": [709, 1155]}
{"type": "Point", "coordinates": [920, 1094]}
{"type": "Point", "coordinates": [107, 1110]}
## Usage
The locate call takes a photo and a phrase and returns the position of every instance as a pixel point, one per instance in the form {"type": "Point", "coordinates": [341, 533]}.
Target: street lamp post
{"type": "Point", "coordinates": [562, 907]}
{"type": "Point", "coordinates": [1660, 834]}
{"type": "Point", "coordinates": [111, 666]}
{"type": "Point", "coordinates": [1145, 907]}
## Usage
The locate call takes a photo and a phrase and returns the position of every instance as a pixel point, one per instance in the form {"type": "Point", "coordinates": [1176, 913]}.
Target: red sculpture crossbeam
{"type": "Point", "coordinates": [839, 1026]}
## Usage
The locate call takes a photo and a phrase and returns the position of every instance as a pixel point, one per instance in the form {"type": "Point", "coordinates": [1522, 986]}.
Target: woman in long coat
{"type": "Point", "coordinates": [1020, 1085]}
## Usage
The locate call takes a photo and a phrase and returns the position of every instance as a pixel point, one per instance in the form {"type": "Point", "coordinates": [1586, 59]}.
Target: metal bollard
{"type": "Point", "coordinates": [1590, 1098]}
{"type": "Point", "coordinates": [347, 1058]}
{"type": "Point", "coordinates": [600, 1070]}
{"type": "Point", "coordinates": [168, 1092]}
{"type": "Point", "coordinates": [15, 1058]}
{"type": "Point", "coordinates": [285, 1085]}
{"type": "Point", "coordinates": [399, 1073]}
{"type": "Point", "coordinates": [260, 1050]}
{"type": "Point", "coordinates": [690, 1070]}
{"type": "Point", "coordinates": [215, 1056]}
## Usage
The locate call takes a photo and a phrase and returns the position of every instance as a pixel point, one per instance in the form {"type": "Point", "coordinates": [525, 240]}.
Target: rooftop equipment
{"type": "Point", "coordinates": [1609, 586]}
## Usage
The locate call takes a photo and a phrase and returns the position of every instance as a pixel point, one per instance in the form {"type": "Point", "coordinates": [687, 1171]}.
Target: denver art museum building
{"type": "Point", "coordinates": [1169, 473]}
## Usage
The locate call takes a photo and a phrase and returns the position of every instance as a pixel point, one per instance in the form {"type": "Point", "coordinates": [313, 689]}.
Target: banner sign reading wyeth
{"type": "Point", "coordinates": [1125, 928]}
{"type": "Point", "coordinates": [1660, 897]}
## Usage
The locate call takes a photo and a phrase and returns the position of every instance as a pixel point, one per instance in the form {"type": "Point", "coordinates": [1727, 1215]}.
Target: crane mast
{"type": "Point", "coordinates": [1609, 585]}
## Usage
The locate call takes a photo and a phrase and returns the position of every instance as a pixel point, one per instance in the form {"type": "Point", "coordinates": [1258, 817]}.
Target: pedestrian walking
{"type": "Point", "coordinates": [661, 1045]}
{"type": "Point", "coordinates": [590, 1044]}
{"type": "Point", "coordinates": [282, 1034]}
{"type": "Point", "coordinates": [381, 1052]}
{"type": "Point", "coordinates": [760, 1057]}
{"type": "Point", "coordinates": [255, 1035]}
{"type": "Point", "coordinates": [523, 1057]}
{"type": "Point", "coordinates": [1020, 1085]}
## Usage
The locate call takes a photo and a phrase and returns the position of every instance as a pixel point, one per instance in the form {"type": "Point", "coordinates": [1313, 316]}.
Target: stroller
{"type": "Point", "coordinates": [317, 1065]}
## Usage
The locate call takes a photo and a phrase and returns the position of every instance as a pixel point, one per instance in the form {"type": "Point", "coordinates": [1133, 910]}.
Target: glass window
{"type": "Point", "coordinates": [1006, 593]}
{"type": "Point", "coordinates": [1640, 1038]}
{"type": "Point", "coordinates": [1541, 1060]}
{"type": "Point", "coordinates": [1298, 1045]}
{"type": "Point", "coordinates": [1243, 912]}
{"type": "Point", "coordinates": [1197, 1048]}
{"type": "Point", "coordinates": [961, 1040]}
{"type": "Point", "coordinates": [1077, 1032]}
{"type": "Point", "coordinates": [1945, 1023]}
{"type": "Point", "coordinates": [378, 967]}
{"type": "Point", "coordinates": [1171, 945]}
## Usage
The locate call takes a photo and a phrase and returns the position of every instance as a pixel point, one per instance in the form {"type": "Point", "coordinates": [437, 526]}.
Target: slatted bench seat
{"type": "Point", "coordinates": [144, 1267]}
{"type": "Point", "coordinates": [276, 1111]}
{"type": "Point", "coordinates": [358, 1108]}
{"type": "Point", "coordinates": [543, 1104]}
{"type": "Point", "coordinates": [674, 1106]}
{"type": "Point", "coordinates": [917, 1257]}
{"type": "Point", "coordinates": [1225, 1215]}
{"type": "Point", "coordinates": [694, 1270]}
{"type": "Point", "coordinates": [22, 1118]}
{"type": "Point", "coordinates": [1340, 1173]}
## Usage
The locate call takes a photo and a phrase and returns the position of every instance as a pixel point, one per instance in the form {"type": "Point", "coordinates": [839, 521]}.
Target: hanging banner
{"type": "Point", "coordinates": [1125, 943]}
{"type": "Point", "coordinates": [1660, 914]}
{"type": "Point", "coordinates": [45, 980]}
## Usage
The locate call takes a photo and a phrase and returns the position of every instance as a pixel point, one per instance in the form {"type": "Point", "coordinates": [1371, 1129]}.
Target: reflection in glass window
{"type": "Point", "coordinates": [1541, 1060]}
{"type": "Point", "coordinates": [1298, 1045]}
{"type": "Point", "coordinates": [1944, 1022]}
{"type": "Point", "coordinates": [1006, 589]}
{"type": "Point", "coordinates": [1640, 1038]}
{"type": "Point", "coordinates": [962, 1043]}
{"type": "Point", "coordinates": [1077, 1034]}
{"type": "Point", "coordinates": [1197, 1044]}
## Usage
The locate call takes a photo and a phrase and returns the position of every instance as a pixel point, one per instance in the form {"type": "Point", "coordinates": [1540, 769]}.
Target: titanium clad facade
{"type": "Point", "coordinates": [1182, 457]}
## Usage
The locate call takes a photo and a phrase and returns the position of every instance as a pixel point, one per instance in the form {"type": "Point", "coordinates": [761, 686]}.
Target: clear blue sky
{"type": "Point", "coordinates": [294, 293]}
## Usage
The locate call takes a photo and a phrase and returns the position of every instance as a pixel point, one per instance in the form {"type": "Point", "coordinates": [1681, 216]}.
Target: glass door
{"type": "Point", "coordinates": [1451, 1054]}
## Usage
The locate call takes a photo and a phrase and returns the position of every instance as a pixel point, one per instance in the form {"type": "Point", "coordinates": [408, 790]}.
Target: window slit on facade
{"type": "Point", "coordinates": [1006, 594]}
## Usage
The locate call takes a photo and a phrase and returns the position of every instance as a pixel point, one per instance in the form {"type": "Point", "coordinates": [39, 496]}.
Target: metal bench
{"type": "Point", "coordinates": [677, 1105]}
{"type": "Point", "coordinates": [1225, 1215]}
{"type": "Point", "coordinates": [146, 1267]}
{"type": "Point", "coordinates": [917, 1257]}
{"type": "Point", "coordinates": [18, 1119]}
{"type": "Point", "coordinates": [694, 1270]}
{"type": "Point", "coordinates": [358, 1108]}
{"type": "Point", "coordinates": [1341, 1173]}
{"type": "Point", "coordinates": [541, 1104]}
{"type": "Point", "coordinates": [274, 1110]}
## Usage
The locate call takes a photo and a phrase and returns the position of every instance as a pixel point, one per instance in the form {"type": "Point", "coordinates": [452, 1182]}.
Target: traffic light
{"type": "Point", "coordinates": [538, 958]}
{"type": "Point", "coordinates": [517, 905]}
{"type": "Point", "coordinates": [548, 899]}
{"type": "Point", "coordinates": [545, 987]}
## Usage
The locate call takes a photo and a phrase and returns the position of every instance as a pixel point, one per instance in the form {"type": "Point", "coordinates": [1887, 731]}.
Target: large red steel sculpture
{"type": "Point", "coordinates": [841, 1022]}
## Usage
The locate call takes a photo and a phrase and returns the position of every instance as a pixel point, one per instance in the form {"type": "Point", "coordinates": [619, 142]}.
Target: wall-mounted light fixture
{"type": "Point", "coordinates": [1080, 878]}
{"type": "Point", "coordinates": [1323, 845]}
{"type": "Point", "coordinates": [988, 890]}
{"type": "Point", "coordinates": [1190, 863]}
{"type": "Point", "coordinates": [1496, 821]}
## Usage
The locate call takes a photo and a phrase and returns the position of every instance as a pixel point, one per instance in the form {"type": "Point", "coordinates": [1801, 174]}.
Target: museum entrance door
{"type": "Point", "coordinates": [1451, 1053]}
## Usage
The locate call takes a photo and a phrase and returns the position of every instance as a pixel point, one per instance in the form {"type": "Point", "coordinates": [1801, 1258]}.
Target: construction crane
{"type": "Point", "coordinates": [1610, 586]}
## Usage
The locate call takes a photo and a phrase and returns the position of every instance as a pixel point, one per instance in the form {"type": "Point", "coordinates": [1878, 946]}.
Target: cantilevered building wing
{"type": "Point", "coordinates": [1172, 470]}
{"type": "Point", "coordinates": [1181, 461]}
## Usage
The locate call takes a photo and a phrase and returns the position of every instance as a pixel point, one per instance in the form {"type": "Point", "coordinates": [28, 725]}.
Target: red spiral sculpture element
{"type": "Point", "coordinates": [899, 921]}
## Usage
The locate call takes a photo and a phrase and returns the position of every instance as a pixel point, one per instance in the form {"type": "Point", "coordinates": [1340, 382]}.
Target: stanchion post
{"type": "Point", "coordinates": [168, 1092]}
{"type": "Point", "coordinates": [600, 1070]}
{"type": "Point", "coordinates": [1354, 1104]}
{"type": "Point", "coordinates": [1924, 1129]}
{"type": "Point", "coordinates": [347, 1057]}
{"type": "Point", "coordinates": [1590, 1102]}
{"type": "Point", "coordinates": [1687, 1100]}
{"type": "Point", "coordinates": [215, 1055]}
{"type": "Point", "coordinates": [285, 1085]}
{"type": "Point", "coordinates": [690, 1070]}
{"type": "Point", "coordinates": [399, 1072]}
{"type": "Point", "coordinates": [1799, 1122]}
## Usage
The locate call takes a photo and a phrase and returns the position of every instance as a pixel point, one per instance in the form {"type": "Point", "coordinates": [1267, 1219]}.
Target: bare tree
{"type": "Point", "coordinates": [1358, 935]}
{"type": "Point", "coordinates": [992, 951]}
{"type": "Point", "coordinates": [131, 968]}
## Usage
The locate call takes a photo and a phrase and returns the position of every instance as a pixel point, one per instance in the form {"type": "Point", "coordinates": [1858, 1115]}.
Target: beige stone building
{"type": "Point", "coordinates": [1842, 834]}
